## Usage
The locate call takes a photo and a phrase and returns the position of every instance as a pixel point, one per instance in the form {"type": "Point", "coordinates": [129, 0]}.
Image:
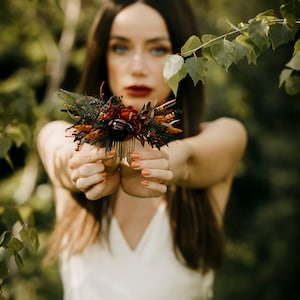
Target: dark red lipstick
{"type": "Point", "coordinates": [138, 90]}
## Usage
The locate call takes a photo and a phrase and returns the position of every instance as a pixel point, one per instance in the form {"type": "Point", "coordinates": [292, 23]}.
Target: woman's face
{"type": "Point", "coordinates": [138, 44]}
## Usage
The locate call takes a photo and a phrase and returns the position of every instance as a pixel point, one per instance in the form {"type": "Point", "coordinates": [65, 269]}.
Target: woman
{"type": "Point", "coordinates": [150, 229]}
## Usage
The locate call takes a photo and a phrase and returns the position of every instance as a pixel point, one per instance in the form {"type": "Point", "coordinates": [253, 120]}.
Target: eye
{"type": "Point", "coordinates": [160, 50]}
{"type": "Point", "coordinates": [119, 48]}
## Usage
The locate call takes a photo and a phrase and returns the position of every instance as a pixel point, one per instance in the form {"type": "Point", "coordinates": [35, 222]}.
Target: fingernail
{"type": "Point", "coordinates": [146, 172]}
{"type": "Point", "coordinates": [135, 164]}
{"type": "Point", "coordinates": [134, 155]}
{"type": "Point", "coordinates": [145, 183]}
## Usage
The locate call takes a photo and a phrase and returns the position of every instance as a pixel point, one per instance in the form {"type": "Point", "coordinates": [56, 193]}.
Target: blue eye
{"type": "Point", "coordinates": [160, 51]}
{"type": "Point", "coordinates": [119, 49]}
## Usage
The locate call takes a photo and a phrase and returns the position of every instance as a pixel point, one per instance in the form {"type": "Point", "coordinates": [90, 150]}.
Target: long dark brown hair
{"type": "Point", "coordinates": [197, 234]}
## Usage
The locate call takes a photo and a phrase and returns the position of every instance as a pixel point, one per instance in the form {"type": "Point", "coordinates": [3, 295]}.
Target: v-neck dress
{"type": "Point", "coordinates": [149, 272]}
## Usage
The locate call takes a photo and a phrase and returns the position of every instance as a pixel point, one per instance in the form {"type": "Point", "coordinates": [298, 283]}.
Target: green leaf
{"type": "Point", "coordinates": [245, 41]}
{"type": "Point", "coordinates": [14, 245]}
{"type": "Point", "coordinates": [290, 11]}
{"type": "Point", "coordinates": [3, 270]}
{"type": "Point", "coordinates": [30, 238]}
{"type": "Point", "coordinates": [5, 237]}
{"type": "Point", "coordinates": [294, 63]}
{"type": "Point", "coordinates": [209, 39]}
{"type": "Point", "coordinates": [174, 71]}
{"type": "Point", "coordinates": [191, 46]}
{"type": "Point", "coordinates": [297, 46]}
{"type": "Point", "coordinates": [5, 145]}
{"type": "Point", "coordinates": [19, 134]}
{"type": "Point", "coordinates": [240, 51]}
{"type": "Point", "coordinates": [280, 34]}
{"type": "Point", "coordinates": [196, 68]}
{"type": "Point", "coordinates": [258, 33]}
{"type": "Point", "coordinates": [18, 260]}
{"type": "Point", "coordinates": [292, 85]}
{"type": "Point", "coordinates": [285, 73]}
{"type": "Point", "coordinates": [10, 217]}
{"type": "Point", "coordinates": [224, 53]}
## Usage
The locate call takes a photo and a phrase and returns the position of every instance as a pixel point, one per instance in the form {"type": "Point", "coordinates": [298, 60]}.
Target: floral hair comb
{"type": "Point", "coordinates": [108, 123]}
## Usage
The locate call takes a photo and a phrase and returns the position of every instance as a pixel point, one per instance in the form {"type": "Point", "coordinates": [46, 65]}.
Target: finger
{"type": "Point", "coordinates": [96, 190]}
{"type": "Point", "coordinates": [154, 186]}
{"type": "Point", "coordinates": [85, 183]}
{"type": "Point", "coordinates": [162, 164]}
{"type": "Point", "coordinates": [149, 154]}
{"type": "Point", "coordinates": [87, 170]}
{"type": "Point", "coordinates": [164, 175]}
{"type": "Point", "coordinates": [88, 154]}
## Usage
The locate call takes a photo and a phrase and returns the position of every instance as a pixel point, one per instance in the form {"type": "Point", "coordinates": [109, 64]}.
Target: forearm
{"type": "Point", "coordinates": [55, 151]}
{"type": "Point", "coordinates": [209, 157]}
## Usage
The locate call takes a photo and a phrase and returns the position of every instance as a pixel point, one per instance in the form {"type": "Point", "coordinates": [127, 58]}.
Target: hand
{"type": "Point", "coordinates": [147, 175]}
{"type": "Point", "coordinates": [94, 172]}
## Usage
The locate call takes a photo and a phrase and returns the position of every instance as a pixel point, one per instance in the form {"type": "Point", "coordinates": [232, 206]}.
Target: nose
{"type": "Point", "coordinates": [138, 65]}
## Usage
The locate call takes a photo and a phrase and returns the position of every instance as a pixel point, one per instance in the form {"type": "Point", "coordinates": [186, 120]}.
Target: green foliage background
{"type": "Point", "coordinates": [41, 50]}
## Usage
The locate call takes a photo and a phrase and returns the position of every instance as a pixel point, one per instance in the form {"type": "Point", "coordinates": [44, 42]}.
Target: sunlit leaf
{"type": "Point", "coordinates": [30, 238]}
{"type": "Point", "coordinates": [245, 41]}
{"type": "Point", "coordinates": [285, 73]}
{"type": "Point", "coordinates": [297, 46]}
{"type": "Point", "coordinates": [294, 63]}
{"type": "Point", "coordinates": [258, 33]}
{"type": "Point", "coordinates": [224, 53]}
{"type": "Point", "coordinates": [174, 71]}
{"type": "Point", "coordinates": [196, 68]}
{"type": "Point", "coordinates": [280, 34]}
{"type": "Point", "coordinates": [190, 46]}
{"type": "Point", "coordinates": [14, 245]}
{"type": "Point", "coordinates": [209, 39]}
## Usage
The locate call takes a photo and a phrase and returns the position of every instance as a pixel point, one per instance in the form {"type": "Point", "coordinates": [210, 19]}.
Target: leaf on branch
{"type": "Point", "coordinates": [174, 71]}
{"type": "Point", "coordinates": [280, 34]}
{"type": "Point", "coordinates": [19, 134]}
{"type": "Point", "coordinates": [253, 51]}
{"type": "Point", "coordinates": [5, 237]}
{"type": "Point", "coordinates": [267, 15]}
{"type": "Point", "coordinates": [196, 68]}
{"type": "Point", "coordinates": [3, 270]}
{"type": "Point", "coordinates": [292, 85]}
{"type": "Point", "coordinates": [240, 51]}
{"type": "Point", "coordinates": [297, 46]}
{"type": "Point", "coordinates": [258, 33]}
{"type": "Point", "coordinates": [5, 145]}
{"type": "Point", "coordinates": [224, 53]}
{"type": "Point", "coordinates": [10, 217]}
{"type": "Point", "coordinates": [290, 11]}
{"type": "Point", "coordinates": [294, 63]}
{"type": "Point", "coordinates": [284, 75]}
{"type": "Point", "coordinates": [18, 260]}
{"type": "Point", "coordinates": [191, 46]}
{"type": "Point", "coordinates": [14, 245]}
{"type": "Point", "coordinates": [30, 238]}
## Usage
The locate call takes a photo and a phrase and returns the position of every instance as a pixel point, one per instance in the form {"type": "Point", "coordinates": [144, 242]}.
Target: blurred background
{"type": "Point", "coordinates": [42, 47]}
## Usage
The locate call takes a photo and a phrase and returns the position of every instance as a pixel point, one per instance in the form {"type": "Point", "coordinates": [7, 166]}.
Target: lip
{"type": "Point", "coordinates": [138, 90]}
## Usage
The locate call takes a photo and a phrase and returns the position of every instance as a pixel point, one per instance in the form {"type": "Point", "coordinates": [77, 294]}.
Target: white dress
{"type": "Point", "coordinates": [149, 272]}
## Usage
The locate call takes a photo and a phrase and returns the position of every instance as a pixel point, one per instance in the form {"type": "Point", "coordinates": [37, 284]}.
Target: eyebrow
{"type": "Point", "coordinates": [149, 41]}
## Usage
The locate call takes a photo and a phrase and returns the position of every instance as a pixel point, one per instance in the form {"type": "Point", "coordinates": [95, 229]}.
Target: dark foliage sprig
{"type": "Point", "coordinates": [106, 121]}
